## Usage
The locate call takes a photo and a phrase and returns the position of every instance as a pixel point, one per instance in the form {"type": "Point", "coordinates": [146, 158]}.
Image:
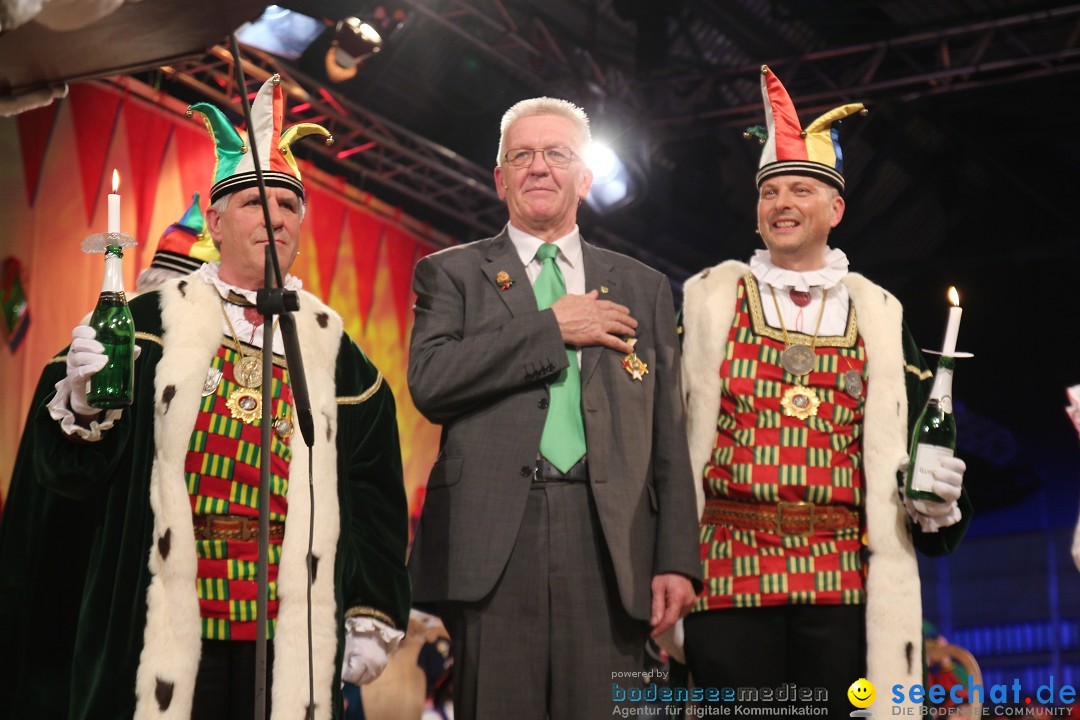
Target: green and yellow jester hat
{"type": "Point", "coordinates": [791, 150]}
{"type": "Point", "coordinates": [235, 166]}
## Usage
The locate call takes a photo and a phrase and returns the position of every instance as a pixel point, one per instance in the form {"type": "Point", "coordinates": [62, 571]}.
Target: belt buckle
{"type": "Point", "coordinates": [249, 527]}
{"type": "Point", "coordinates": [779, 520]}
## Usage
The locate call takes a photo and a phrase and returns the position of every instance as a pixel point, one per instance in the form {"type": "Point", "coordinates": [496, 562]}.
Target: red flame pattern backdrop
{"type": "Point", "coordinates": [356, 252]}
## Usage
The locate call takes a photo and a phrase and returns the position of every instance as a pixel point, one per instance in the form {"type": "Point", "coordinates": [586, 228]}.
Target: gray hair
{"type": "Point", "coordinates": [222, 202]}
{"type": "Point", "coordinates": [545, 106]}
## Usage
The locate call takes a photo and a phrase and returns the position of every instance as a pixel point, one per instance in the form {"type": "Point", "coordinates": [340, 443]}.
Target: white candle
{"type": "Point", "coordinates": [952, 329]}
{"type": "Point", "coordinates": [114, 204]}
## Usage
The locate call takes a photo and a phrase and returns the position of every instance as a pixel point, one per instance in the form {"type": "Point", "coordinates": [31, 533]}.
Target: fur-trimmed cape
{"type": "Point", "coordinates": [893, 606]}
{"type": "Point", "coordinates": [137, 635]}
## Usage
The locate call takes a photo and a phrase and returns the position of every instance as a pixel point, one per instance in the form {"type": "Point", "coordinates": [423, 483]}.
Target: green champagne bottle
{"type": "Point", "coordinates": [934, 435]}
{"type": "Point", "coordinates": [113, 386]}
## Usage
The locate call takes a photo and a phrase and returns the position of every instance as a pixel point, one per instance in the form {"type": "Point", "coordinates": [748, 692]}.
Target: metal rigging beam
{"type": "Point", "coordinates": [974, 55]}
{"type": "Point", "coordinates": [378, 151]}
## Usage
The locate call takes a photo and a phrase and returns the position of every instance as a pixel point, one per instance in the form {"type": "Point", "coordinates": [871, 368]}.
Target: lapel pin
{"type": "Point", "coordinates": [502, 279]}
{"type": "Point", "coordinates": [633, 364]}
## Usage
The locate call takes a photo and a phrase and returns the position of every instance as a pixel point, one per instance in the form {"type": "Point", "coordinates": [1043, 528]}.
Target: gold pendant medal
{"type": "Point", "coordinates": [247, 371]}
{"type": "Point", "coordinates": [245, 402]}
{"type": "Point", "coordinates": [797, 359]}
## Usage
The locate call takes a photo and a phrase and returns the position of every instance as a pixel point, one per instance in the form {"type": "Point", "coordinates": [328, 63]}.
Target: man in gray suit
{"type": "Point", "coordinates": [558, 527]}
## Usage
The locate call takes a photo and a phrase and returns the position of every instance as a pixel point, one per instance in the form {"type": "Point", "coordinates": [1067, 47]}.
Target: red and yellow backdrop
{"type": "Point", "coordinates": [357, 253]}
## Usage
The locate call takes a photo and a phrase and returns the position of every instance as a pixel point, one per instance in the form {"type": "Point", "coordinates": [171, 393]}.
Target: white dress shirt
{"type": "Point", "coordinates": [804, 319]}
{"type": "Point", "coordinates": [246, 331]}
{"type": "Point", "coordinates": [569, 260]}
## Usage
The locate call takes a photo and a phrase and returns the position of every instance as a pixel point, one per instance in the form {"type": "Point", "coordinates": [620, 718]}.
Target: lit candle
{"type": "Point", "coordinates": [114, 204]}
{"type": "Point", "coordinates": [953, 327]}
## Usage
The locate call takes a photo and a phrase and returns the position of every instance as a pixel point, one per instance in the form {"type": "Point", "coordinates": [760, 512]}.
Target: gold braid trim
{"type": "Point", "coordinates": [230, 343]}
{"type": "Point", "coordinates": [921, 374]}
{"type": "Point", "coordinates": [364, 611]}
{"type": "Point", "coordinates": [362, 397]}
{"type": "Point", "coordinates": [138, 336]}
{"type": "Point", "coordinates": [757, 319]}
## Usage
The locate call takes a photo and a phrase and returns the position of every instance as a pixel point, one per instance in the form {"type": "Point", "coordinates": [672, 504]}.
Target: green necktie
{"type": "Point", "coordinates": [563, 441]}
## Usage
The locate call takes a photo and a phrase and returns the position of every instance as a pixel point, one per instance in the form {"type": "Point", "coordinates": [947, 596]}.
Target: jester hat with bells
{"type": "Point", "coordinates": [790, 150]}
{"type": "Point", "coordinates": [235, 166]}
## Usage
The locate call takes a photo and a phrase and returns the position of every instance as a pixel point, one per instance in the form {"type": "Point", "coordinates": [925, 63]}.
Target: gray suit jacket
{"type": "Point", "coordinates": [479, 364]}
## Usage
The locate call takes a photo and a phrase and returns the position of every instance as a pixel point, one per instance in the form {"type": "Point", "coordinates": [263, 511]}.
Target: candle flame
{"type": "Point", "coordinates": [115, 180]}
{"type": "Point", "coordinates": [954, 297]}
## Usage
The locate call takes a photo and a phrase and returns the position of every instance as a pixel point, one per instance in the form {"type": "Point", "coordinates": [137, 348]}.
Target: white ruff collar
{"type": "Point", "coordinates": [834, 270]}
{"type": "Point", "coordinates": [209, 273]}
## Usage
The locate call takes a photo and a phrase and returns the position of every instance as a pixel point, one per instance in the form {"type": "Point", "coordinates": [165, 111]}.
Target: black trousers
{"type": "Point", "coordinates": [812, 646]}
{"type": "Point", "coordinates": [225, 685]}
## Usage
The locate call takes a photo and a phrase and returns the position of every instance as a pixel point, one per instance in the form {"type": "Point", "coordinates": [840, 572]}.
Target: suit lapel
{"type": "Point", "coordinates": [503, 258]}
{"type": "Point", "coordinates": [599, 274]}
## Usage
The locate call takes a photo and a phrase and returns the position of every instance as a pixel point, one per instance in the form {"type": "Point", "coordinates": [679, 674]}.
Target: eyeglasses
{"type": "Point", "coordinates": [558, 156]}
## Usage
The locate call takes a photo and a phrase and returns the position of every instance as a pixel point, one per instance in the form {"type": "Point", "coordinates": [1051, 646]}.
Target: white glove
{"type": "Point", "coordinates": [931, 515]}
{"type": "Point", "coordinates": [85, 357]}
{"type": "Point", "coordinates": [69, 406]}
{"type": "Point", "coordinates": [368, 645]}
{"type": "Point", "coordinates": [1076, 546]}
{"type": "Point", "coordinates": [1073, 408]}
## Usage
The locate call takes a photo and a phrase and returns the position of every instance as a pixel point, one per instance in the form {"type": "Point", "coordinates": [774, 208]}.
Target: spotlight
{"type": "Point", "coordinates": [354, 41]}
{"type": "Point", "coordinates": [281, 31]}
{"type": "Point", "coordinates": [615, 184]}
{"type": "Point", "coordinates": [602, 160]}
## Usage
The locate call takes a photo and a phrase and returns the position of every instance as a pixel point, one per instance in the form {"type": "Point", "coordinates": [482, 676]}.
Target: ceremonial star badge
{"type": "Point", "coordinates": [633, 364]}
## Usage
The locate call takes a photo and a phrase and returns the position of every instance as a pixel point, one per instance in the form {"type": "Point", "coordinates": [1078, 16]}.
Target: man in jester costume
{"type": "Point", "coordinates": [166, 610]}
{"type": "Point", "coordinates": [802, 382]}
{"type": "Point", "coordinates": [39, 528]}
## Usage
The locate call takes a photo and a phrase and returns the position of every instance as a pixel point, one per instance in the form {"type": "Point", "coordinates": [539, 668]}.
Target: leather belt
{"type": "Point", "coordinates": [788, 519]}
{"type": "Point", "coordinates": [232, 527]}
{"type": "Point", "coordinates": [546, 472]}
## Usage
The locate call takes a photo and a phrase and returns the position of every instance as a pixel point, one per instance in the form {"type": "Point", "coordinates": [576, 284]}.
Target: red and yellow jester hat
{"type": "Point", "coordinates": [790, 150]}
{"type": "Point", "coordinates": [235, 168]}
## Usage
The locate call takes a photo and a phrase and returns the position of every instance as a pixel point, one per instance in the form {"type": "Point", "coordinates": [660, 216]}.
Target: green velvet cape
{"type": "Point", "coordinates": [88, 527]}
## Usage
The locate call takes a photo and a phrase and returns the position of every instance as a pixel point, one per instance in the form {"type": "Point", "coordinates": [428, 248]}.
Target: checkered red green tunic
{"type": "Point", "coordinates": [763, 455]}
{"type": "Point", "coordinates": [222, 471]}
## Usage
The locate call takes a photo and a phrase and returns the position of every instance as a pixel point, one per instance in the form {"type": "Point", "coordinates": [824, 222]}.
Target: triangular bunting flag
{"type": "Point", "coordinates": [94, 112]}
{"type": "Point", "coordinates": [366, 231]}
{"type": "Point", "coordinates": [148, 133]}
{"type": "Point", "coordinates": [195, 156]}
{"type": "Point", "coordinates": [326, 210]}
{"type": "Point", "coordinates": [35, 130]}
{"type": "Point", "coordinates": [400, 250]}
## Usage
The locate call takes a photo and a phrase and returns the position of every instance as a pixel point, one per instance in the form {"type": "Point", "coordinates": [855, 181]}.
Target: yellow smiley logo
{"type": "Point", "coordinates": [861, 694]}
